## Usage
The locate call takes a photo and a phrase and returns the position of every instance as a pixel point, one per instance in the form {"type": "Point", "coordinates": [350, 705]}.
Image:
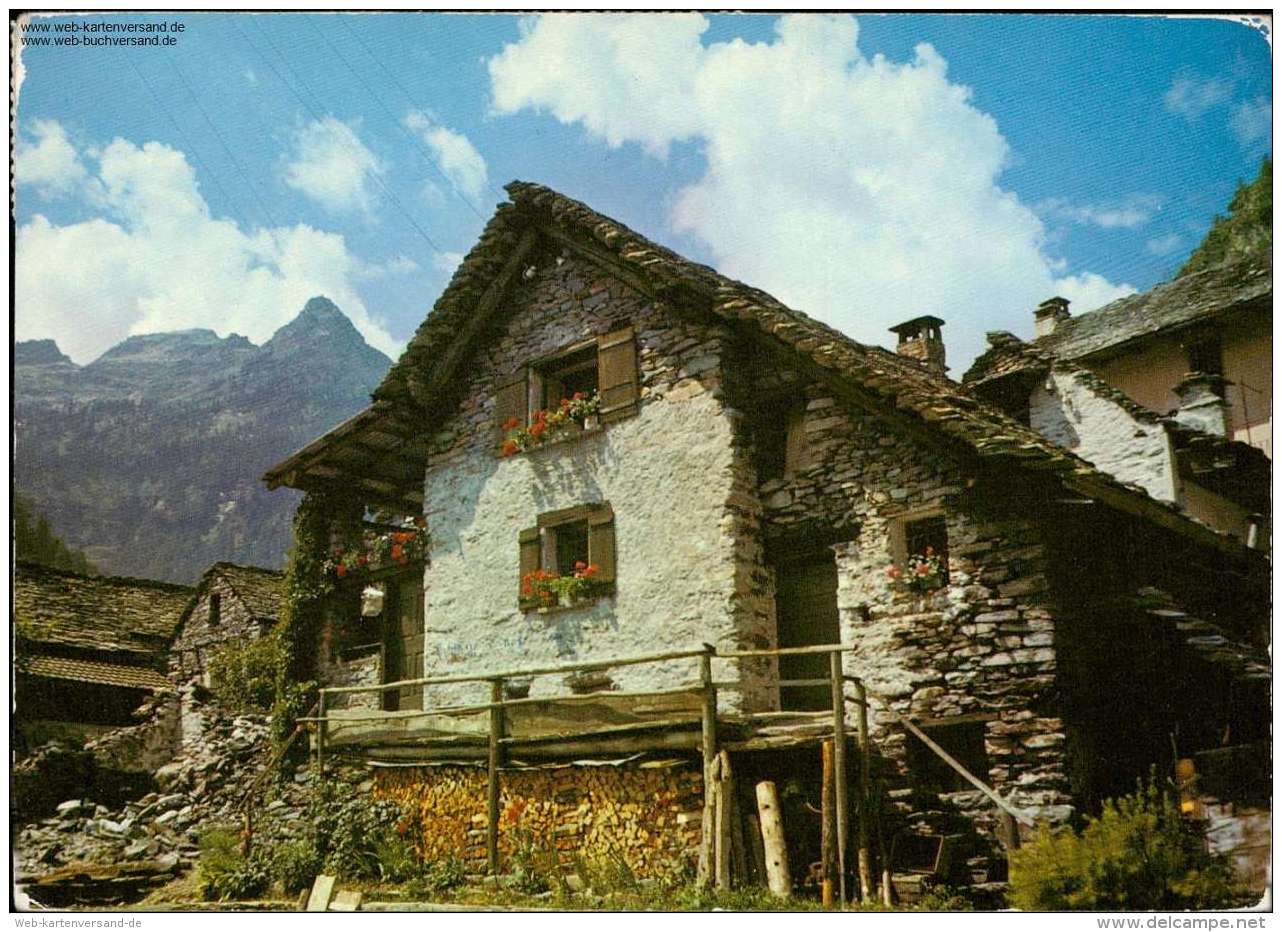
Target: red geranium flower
{"type": "Point", "coordinates": [578, 396]}
{"type": "Point", "coordinates": [511, 424]}
{"type": "Point", "coordinates": [509, 447]}
{"type": "Point", "coordinates": [894, 572]}
{"type": "Point", "coordinates": [340, 570]}
{"type": "Point", "coordinates": [537, 429]}
{"type": "Point", "coordinates": [397, 551]}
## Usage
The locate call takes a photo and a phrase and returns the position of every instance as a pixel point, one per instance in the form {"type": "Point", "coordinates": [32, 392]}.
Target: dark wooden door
{"type": "Point", "coordinates": [403, 641]}
{"type": "Point", "coordinates": [806, 613]}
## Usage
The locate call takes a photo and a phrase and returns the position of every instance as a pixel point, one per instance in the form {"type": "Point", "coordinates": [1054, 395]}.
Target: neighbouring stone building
{"type": "Point", "coordinates": [754, 479]}
{"type": "Point", "coordinates": [89, 650]}
{"type": "Point", "coordinates": [232, 604]}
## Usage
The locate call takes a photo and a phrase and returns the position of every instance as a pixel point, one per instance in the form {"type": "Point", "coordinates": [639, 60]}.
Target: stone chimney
{"type": "Point", "coordinates": [919, 340]}
{"type": "Point", "coordinates": [1202, 404]}
{"type": "Point", "coordinates": [1048, 315]}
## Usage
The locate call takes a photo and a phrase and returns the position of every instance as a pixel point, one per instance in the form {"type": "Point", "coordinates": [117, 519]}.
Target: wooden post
{"type": "Point", "coordinates": [496, 735]}
{"type": "Point", "coordinates": [722, 843]}
{"type": "Point", "coordinates": [839, 767]}
{"type": "Point", "coordinates": [865, 792]}
{"type": "Point", "coordinates": [828, 827]}
{"type": "Point", "coordinates": [320, 735]}
{"type": "Point", "coordinates": [756, 849]}
{"type": "Point", "coordinates": [706, 847]}
{"type": "Point", "coordinates": [778, 877]}
{"type": "Point", "coordinates": [1010, 828]}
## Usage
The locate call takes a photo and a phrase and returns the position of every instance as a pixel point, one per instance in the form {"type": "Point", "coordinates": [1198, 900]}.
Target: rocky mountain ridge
{"type": "Point", "coordinates": [148, 458]}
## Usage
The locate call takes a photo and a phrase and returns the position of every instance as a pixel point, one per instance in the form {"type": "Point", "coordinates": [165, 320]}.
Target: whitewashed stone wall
{"type": "Point", "coordinates": [1068, 411]}
{"type": "Point", "coordinates": [668, 473]}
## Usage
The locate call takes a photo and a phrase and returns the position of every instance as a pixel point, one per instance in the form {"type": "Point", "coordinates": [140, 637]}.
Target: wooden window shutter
{"type": "Point", "coordinates": [617, 374]}
{"type": "Point", "coordinates": [510, 400]}
{"type": "Point", "coordinates": [601, 549]}
{"type": "Point", "coordinates": [531, 552]}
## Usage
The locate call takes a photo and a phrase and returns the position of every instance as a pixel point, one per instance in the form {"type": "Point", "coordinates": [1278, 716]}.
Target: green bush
{"type": "Point", "coordinates": [353, 835]}
{"type": "Point", "coordinates": [1138, 854]}
{"type": "Point", "coordinates": [294, 865]}
{"type": "Point", "coordinates": [436, 877]}
{"type": "Point", "coordinates": [224, 873]}
{"type": "Point", "coordinates": [243, 674]}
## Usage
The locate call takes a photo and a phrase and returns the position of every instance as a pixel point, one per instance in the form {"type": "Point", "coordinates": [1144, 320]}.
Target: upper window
{"type": "Point", "coordinates": [215, 609]}
{"type": "Point", "coordinates": [1205, 354]}
{"type": "Point", "coordinates": [604, 369]}
{"type": "Point", "coordinates": [566, 545]}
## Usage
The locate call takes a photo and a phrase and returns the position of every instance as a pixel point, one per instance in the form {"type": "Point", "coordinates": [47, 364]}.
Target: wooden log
{"type": "Point", "coordinates": [492, 790]}
{"type": "Point", "coordinates": [839, 767]}
{"type": "Point", "coordinates": [828, 826]}
{"type": "Point", "coordinates": [778, 876]}
{"type": "Point", "coordinates": [740, 870]}
{"type": "Point", "coordinates": [709, 726]}
{"type": "Point", "coordinates": [867, 894]}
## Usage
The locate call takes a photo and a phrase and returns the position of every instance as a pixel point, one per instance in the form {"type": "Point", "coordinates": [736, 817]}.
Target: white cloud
{"type": "Point", "coordinates": [454, 153]}
{"type": "Point", "coordinates": [1132, 211]}
{"type": "Point", "coordinates": [1252, 120]}
{"type": "Point", "coordinates": [1088, 291]}
{"type": "Point", "coordinates": [50, 164]}
{"type": "Point", "coordinates": [1164, 245]}
{"type": "Point", "coordinates": [333, 167]}
{"type": "Point", "coordinates": [860, 190]}
{"type": "Point", "coordinates": [1191, 97]}
{"type": "Point", "coordinates": [156, 260]}
{"type": "Point", "coordinates": [447, 262]}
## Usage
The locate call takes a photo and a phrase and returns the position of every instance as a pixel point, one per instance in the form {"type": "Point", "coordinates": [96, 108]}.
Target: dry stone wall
{"type": "Point", "coordinates": [668, 472]}
{"type": "Point", "coordinates": [982, 646]}
{"type": "Point", "coordinates": [647, 816]}
{"type": "Point", "coordinates": [199, 640]}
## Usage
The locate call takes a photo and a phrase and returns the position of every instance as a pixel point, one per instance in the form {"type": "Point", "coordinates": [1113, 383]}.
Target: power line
{"type": "Point", "coordinates": [318, 118]}
{"type": "Point", "coordinates": [414, 139]}
{"type": "Point", "coordinates": [227, 149]}
{"type": "Point", "coordinates": [191, 147]}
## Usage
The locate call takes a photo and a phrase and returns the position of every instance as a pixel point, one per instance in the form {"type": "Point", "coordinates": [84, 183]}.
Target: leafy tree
{"type": "Point", "coordinates": [34, 540]}
{"type": "Point", "coordinates": [1248, 228]}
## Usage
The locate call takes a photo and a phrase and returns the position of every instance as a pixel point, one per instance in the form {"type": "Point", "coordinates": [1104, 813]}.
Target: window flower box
{"type": "Point", "coordinates": [572, 417]}
{"type": "Point", "coordinates": [922, 572]}
{"type": "Point", "coordinates": [545, 590]}
{"type": "Point", "coordinates": [377, 550]}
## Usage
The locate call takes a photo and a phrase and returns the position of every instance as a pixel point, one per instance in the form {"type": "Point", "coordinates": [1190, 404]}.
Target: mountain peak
{"type": "Point", "coordinates": [38, 353]}
{"type": "Point", "coordinates": [319, 324]}
{"type": "Point", "coordinates": [321, 308]}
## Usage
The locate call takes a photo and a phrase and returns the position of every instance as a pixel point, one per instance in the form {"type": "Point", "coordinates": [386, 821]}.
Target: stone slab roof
{"type": "Point", "coordinates": [1185, 302]}
{"type": "Point", "coordinates": [434, 357]}
{"type": "Point", "coordinates": [262, 590]}
{"type": "Point", "coordinates": [104, 613]}
{"type": "Point", "coordinates": [95, 671]}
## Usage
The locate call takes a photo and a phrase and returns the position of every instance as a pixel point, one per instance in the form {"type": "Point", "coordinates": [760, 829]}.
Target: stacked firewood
{"type": "Point", "coordinates": [647, 817]}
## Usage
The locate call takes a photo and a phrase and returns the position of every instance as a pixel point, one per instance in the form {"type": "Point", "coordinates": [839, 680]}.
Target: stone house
{"type": "Point", "coordinates": [89, 650]}
{"type": "Point", "coordinates": [231, 604]}
{"type": "Point", "coordinates": [1197, 349]}
{"type": "Point", "coordinates": [752, 479]}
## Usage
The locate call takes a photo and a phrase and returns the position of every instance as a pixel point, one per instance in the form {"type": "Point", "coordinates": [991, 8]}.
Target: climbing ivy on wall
{"type": "Point", "coordinates": [302, 616]}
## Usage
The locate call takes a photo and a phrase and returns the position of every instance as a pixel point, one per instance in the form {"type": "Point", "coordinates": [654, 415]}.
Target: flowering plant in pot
{"type": "Point", "coordinates": [544, 588]}
{"type": "Point", "coordinates": [377, 549]}
{"type": "Point", "coordinates": [922, 572]}
{"type": "Point", "coordinates": [577, 413]}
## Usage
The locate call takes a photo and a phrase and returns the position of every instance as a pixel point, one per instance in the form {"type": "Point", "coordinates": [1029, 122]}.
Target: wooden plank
{"type": "Point", "coordinates": [787, 651]}
{"type": "Point", "coordinates": [756, 849]}
{"type": "Point", "coordinates": [322, 892]}
{"type": "Point", "coordinates": [725, 790]}
{"type": "Point", "coordinates": [827, 826]}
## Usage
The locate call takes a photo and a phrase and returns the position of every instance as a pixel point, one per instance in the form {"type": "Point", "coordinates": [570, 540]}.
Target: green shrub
{"type": "Point", "coordinates": [1138, 854]}
{"type": "Point", "coordinates": [353, 834]}
{"type": "Point", "coordinates": [436, 877]}
{"type": "Point", "coordinates": [294, 865]}
{"type": "Point", "coordinates": [534, 868]}
{"type": "Point", "coordinates": [243, 674]}
{"type": "Point", "coordinates": [224, 873]}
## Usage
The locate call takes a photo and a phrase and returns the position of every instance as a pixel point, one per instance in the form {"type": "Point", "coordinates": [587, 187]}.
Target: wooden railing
{"type": "Point", "coordinates": [713, 857]}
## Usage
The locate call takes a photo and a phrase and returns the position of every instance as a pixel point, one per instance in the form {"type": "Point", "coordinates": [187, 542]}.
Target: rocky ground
{"type": "Point", "coordinates": [89, 852]}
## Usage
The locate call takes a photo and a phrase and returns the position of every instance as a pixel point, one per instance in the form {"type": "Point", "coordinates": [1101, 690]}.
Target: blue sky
{"type": "Point", "coordinates": [865, 169]}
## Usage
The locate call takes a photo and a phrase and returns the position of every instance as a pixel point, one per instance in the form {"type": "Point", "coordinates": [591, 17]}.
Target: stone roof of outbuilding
{"type": "Point", "coordinates": [102, 613]}
{"type": "Point", "coordinates": [879, 376]}
{"type": "Point", "coordinates": [95, 671]}
{"type": "Point", "coordinates": [1185, 302]}
{"type": "Point", "coordinates": [261, 589]}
